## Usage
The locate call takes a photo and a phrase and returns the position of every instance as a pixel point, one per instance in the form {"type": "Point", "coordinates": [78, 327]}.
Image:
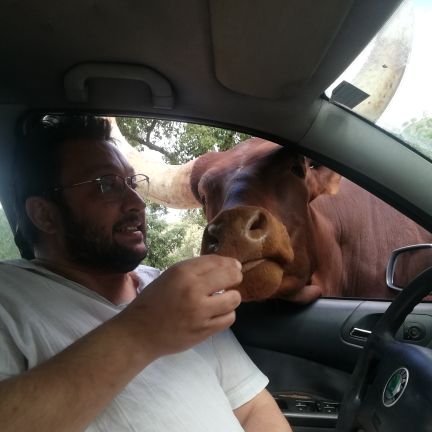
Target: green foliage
{"type": "Point", "coordinates": [169, 243]}
{"type": "Point", "coordinates": [197, 139]}
{"type": "Point", "coordinates": [177, 142]}
{"type": "Point", "coordinates": [8, 250]}
{"type": "Point", "coordinates": [194, 217]}
{"type": "Point", "coordinates": [141, 133]}
{"type": "Point", "coordinates": [191, 242]}
{"type": "Point", "coordinates": [419, 134]}
{"type": "Point", "coordinates": [162, 240]}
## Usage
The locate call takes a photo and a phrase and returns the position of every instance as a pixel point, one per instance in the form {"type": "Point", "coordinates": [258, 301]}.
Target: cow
{"type": "Point", "coordinates": [299, 229]}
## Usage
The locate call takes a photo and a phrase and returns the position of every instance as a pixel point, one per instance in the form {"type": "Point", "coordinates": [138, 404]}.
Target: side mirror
{"type": "Point", "coordinates": [406, 263]}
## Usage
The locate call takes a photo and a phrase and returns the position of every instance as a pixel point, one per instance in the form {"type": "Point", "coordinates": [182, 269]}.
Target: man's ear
{"type": "Point", "coordinates": [43, 213]}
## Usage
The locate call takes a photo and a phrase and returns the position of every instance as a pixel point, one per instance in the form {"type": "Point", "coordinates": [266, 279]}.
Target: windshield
{"type": "Point", "coordinates": [395, 71]}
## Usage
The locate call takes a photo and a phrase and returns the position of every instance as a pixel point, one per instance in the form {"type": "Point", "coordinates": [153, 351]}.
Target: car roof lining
{"type": "Point", "coordinates": [192, 56]}
{"type": "Point", "coordinates": [185, 44]}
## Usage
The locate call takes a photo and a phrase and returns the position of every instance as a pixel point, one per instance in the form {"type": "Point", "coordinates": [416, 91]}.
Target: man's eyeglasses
{"type": "Point", "coordinates": [112, 186]}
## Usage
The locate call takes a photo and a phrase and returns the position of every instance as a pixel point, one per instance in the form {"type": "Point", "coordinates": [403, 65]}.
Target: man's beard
{"type": "Point", "coordinates": [89, 246]}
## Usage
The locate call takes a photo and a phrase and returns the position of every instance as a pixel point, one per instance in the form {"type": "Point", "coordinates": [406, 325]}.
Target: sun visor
{"type": "Point", "coordinates": [272, 49]}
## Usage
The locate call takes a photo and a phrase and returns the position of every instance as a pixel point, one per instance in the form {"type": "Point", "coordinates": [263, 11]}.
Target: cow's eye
{"type": "Point", "coordinates": [298, 171]}
{"type": "Point", "coordinates": [203, 200]}
{"type": "Point", "coordinates": [314, 164]}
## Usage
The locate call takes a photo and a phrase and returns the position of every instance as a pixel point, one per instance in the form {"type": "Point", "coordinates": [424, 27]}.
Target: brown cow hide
{"type": "Point", "coordinates": [367, 230]}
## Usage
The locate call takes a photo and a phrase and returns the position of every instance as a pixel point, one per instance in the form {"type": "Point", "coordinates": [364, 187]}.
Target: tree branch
{"type": "Point", "coordinates": [147, 143]}
{"type": "Point", "coordinates": [151, 129]}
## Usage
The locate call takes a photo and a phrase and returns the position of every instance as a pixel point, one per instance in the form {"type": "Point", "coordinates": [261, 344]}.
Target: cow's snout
{"type": "Point", "coordinates": [258, 240]}
{"type": "Point", "coordinates": [247, 233]}
{"type": "Point", "coordinates": [243, 228]}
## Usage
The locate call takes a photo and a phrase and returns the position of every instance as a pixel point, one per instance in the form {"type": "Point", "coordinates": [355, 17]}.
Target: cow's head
{"type": "Point", "coordinates": [256, 199]}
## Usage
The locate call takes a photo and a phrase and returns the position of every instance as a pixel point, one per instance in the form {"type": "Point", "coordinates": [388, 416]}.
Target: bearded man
{"type": "Point", "coordinates": [92, 340]}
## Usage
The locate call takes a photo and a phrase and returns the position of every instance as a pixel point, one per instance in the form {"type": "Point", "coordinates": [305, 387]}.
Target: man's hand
{"type": "Point", "coordinates": [183, 306]}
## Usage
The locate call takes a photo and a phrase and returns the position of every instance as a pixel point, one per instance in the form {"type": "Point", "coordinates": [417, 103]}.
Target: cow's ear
{"type": "Point", "coordinates": [321, 180]}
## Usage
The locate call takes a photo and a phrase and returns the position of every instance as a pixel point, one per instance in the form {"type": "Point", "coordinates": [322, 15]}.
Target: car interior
{"type": "Point", "coordinates": [263, 69]}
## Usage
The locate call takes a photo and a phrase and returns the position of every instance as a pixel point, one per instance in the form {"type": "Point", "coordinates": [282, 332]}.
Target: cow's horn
{"type": "Point", "coordinates": [382, 73]}
{"type": "Point", "coordinates": [169, 184]}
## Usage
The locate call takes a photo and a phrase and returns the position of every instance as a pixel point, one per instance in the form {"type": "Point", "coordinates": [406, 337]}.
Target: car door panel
{"type": "Point", "coordinates": [309, 352]}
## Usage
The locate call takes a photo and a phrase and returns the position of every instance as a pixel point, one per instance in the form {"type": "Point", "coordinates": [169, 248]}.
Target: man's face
{"type": "Point", "coordinates": [101, 233]}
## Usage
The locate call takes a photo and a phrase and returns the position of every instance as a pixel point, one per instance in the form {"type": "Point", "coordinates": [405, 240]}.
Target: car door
{"type": "Point", "coordinates": [309, 352]}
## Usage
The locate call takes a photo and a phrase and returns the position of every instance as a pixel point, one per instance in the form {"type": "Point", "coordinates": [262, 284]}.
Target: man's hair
{"type": "Point", "coordinates": [37, 167]}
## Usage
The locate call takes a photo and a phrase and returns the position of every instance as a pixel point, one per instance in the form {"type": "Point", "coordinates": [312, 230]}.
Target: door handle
{"type": "Point", "coordinates": [76, 79]}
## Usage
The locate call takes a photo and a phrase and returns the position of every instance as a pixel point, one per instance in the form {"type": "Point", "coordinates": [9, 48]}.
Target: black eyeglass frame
{"type": "Point", "coordinates": [127, 181]}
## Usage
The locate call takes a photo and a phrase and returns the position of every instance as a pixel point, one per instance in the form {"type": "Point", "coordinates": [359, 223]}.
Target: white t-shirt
{"type": "Point", "coordinates": [41, 313]}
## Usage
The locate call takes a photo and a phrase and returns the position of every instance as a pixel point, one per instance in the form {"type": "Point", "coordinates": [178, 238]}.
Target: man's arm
{"type": "Point", "coordinates": [262, 414]}
{"type": "Point", "coordinates": [174, 313]}
{"type": "Point", "coordinates": [68, 391]}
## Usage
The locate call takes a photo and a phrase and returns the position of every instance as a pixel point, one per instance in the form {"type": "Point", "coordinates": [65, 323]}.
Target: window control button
{"type": "Point", "coordinates": [305, 406]}
{"type": "Point", "coordinates": [328, 407]}
{"type": "Point", "coordinates": [329, 410]}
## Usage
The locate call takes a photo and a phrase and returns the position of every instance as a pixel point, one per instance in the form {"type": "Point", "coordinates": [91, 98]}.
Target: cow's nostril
{"type": "Point", "coordinates": [212, 230]}
{"type": "Point", "coordinates": [211, 241]}
{"type": "Point", "coordinates": [258, 222]}
{"type": "Point", "coordinates": [213, 246]}
{"type": "Point", "coordinates": [256, 228]}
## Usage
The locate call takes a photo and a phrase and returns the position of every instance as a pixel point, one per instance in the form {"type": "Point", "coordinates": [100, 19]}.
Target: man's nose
{"type": "Point", "coordinates": [132, 200]}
